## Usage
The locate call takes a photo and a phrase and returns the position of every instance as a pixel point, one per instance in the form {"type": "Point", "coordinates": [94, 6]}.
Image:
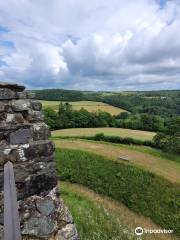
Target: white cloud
{"type": "Point", "coordinates": [100, 45]}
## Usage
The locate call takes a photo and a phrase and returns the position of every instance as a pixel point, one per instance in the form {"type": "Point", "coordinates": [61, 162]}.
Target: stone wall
{"type": "Point", "coordinates": [24, 142]}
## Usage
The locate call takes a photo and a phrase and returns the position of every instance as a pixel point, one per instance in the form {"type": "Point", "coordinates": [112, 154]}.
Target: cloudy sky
{"type": "Point", "coordinates": [91, 45]}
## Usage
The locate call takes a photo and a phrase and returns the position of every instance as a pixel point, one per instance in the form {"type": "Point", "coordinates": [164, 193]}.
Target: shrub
{"type": "Point", "coordinates": [168, 143]}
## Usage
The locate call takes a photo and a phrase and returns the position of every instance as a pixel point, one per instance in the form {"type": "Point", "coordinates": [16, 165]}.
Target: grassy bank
{"type": "Point", "coordinates": [99, 217]}
{"type": "Point", "coordinates": [140, 191]}
{"type": "Point", "coordinates": [147, 158]}
{"type": "Point", "coordinates": [119, 132]}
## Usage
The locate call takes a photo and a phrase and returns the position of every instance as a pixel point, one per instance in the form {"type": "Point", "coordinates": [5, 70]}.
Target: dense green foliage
{"type": "Point", "coordinates": [66, 117]}
{"type": "Point", "coordinates": [141, 191]}
{"type": "Point", "coordinates": [142, 121]}
{"type": "Point", "coordinates": [162, 103]}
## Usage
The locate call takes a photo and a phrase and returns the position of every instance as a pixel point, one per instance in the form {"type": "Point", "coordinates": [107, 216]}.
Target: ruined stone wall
{"type": "Point", "coordinates": [24, 142]}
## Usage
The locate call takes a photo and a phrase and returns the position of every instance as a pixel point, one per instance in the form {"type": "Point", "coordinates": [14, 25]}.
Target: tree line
{"type": "Point", "coordinates": [66, 117]}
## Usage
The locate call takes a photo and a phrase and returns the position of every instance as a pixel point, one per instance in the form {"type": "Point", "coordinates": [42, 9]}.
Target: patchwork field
{"type": "Point", "coordinates": [99, 217]}
{"type": "Point", "coordinates": [149, 159]}
{"type": "Point", "coordinates": [122, 132]}
{"type": "Point", "coordinates": [88, 105]}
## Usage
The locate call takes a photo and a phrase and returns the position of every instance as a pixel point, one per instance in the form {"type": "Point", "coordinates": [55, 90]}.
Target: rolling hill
{"type": "Point", "coordinates": [90, 106]}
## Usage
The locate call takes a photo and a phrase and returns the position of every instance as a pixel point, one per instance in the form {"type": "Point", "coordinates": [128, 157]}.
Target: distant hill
{"type": "Point", "coordinates": [88, 105]}
{"type": "Point", "coordinates": [164, 103]}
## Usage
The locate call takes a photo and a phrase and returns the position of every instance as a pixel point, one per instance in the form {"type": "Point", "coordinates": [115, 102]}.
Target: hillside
{"type": "Point", "coordinates": [149, 159]}
{"type": "Point", "coordinates": [162, 103]}
{"type": "Point", "coordinates": [88, 105]}
{"type": "Point", "coordinates": [99, 217]}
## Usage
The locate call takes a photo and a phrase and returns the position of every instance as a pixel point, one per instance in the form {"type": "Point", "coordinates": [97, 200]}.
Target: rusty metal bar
{"type": "Point", "coordinates": [11, 217]}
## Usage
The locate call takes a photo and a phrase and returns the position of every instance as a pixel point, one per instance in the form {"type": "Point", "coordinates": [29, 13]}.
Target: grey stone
{"type": "Point", "coordinates": [30, 95]}
{"type": "Point", "coordinates": [12, 86]}
{"type": "Point", "coordinates": [21, 95]}
{"type": "Point", "coordinates": [65, 215]}
{"type": "Point", "coordinates": [38, 227]}
{"type": "Point", "coordinates": [45, 206]}
{"type": "Point", "coordinates": [4, 106]}
{"type": "Point", "coordinates": [34, 116]}
{"type": "Point", "coordinates": [39, 149]}
{"type": "Point", "coordinates": [68, 232]}
{"type": "Point", "coordinates": [21, 172]}
{"type": "Point", "coordinates": [7, 94]}
{"type": "Point", "coordinates": [1, 135]}
{"type": "Point", "coordinates": [36, 105]}
{"type": "Point", "coordinates": [1, 232]}
{"type": "Point", "coordinates": [41, 131]}
{"type": "Point", "coordinates": [20, 105]}
{"type": "Point", "coordinates": [14, 118]}
{"type": "Point", "coordinates": [21, 136]}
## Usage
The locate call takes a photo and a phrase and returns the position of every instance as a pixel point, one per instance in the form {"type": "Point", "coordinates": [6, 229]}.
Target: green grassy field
{"type": "Point", "coordinates": [122, 132]}
{"type": "Point", "coordinates": [152, 160]}
{"type": "Point", "coordinates": [88, 105]}
{"type": "Point", "coordinates": [98, 217]}
{"type": "Point", "coordinates": [141, 191]}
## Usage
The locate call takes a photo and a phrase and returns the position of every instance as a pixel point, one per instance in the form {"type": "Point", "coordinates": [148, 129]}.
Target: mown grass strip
{"type": "Point", "coordinates": [99, 215]}
{"type": "Point", "coordinates": [92, 220]}
{"type": "Point", "coordinates": [139, 190]}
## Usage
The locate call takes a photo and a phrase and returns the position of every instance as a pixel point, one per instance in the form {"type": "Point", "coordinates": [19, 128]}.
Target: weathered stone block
{"type": "Point", "coordinates": [7, 94]}
{"type": "Point", "coordinates": [1, 135]}
{"type": "Point", "coordinates": [4, 106]}
{"type": "Point", "coordinates": [20, 105]}
{"type": "Point", "coordinates": [36, 105]}
{"type": "Point", "coordinates": [41, 131]}
{"type": "Point", "coordinates": [12, 86]}
{"type": "Point", "coordinates": [15, 118]}
{"type": "Point", "coordinates": [30, 94]}
{"type": "Point", "coordinates": [38, 149]}
{"type": "Point", "coordinates": [20, 136]}
{"type": "Point", "coordinates": [21, 95]}
{"type": "Point", "coordinates": [3, 116]}
{"type": "Point", "coordinates": [34, 116]}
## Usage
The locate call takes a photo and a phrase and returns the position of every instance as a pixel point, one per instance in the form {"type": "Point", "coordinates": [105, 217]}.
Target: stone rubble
{"type": "Point", "coordinates": [24, 142]}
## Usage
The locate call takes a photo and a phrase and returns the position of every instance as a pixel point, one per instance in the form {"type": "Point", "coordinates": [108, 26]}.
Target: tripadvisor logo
{"type": "Point", "coordinates": [139, 231]}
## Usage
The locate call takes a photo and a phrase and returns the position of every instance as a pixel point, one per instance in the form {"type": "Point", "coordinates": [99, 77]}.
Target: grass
{"type": "Point", "coordinates": [92, 220]}
{"type": "Point", "coordinates": [99, 217]}
{"type": "Point", "coordinates": [141, 191]}
{"type": "Point", "coordinates": [149, 159]}
{"type": "Point", "coordinates": [121, 132]}
{"type": "Point", "coordinates": [88, 105]}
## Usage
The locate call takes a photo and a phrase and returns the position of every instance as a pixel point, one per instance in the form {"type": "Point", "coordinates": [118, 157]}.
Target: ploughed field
{"type": "Point", "coordinates": [88, 105]}
{"type": "Point", "coordinates": [121, 132]}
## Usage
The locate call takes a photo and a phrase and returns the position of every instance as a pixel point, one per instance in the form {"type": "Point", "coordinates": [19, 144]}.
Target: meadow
{"type": "Point", "coordinates": [147, 158]}
{"type": "Point", "coordinates": [141, 191]}
{"type": "Point", "coordinates": [99, 217]}
{"type": "Point", "coordinates": [121, 132]}
{"type": "Point", "coordinates": [90, 106]}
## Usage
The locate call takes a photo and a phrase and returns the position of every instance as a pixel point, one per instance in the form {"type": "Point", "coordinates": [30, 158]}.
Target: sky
{"type": "Point", "coordinates": [91, 45]}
